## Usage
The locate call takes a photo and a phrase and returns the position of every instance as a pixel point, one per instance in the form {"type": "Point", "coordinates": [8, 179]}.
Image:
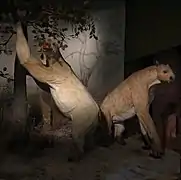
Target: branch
{"type": "Point", "coordinates": [6, 76]}
{"type": "Point", "coordinates": [77, 52]}
{"type": "Point", "coordinates": [6, 42]}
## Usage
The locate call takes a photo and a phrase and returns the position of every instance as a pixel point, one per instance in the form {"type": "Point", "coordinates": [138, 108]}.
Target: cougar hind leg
{"type": "Point", "coordinates": [46, 110]}
{"type": "Point", "coordinates": [76, 149]}
{"type": "Point", "coordinates": [82, 136]}
{"type": "Point", "coordinates": [118, 131]}
{"type": "Point", "coordinates": [81, 143]}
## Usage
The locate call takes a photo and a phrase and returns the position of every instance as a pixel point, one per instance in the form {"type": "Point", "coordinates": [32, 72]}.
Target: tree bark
{"type": "Point", "coordinates": [20, 94]}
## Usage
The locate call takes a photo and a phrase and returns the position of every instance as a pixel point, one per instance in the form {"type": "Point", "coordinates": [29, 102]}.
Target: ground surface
{"type": "Point", "coordinates": [129, 162]}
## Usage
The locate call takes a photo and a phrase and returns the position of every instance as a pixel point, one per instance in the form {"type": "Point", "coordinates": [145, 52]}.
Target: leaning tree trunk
{"type": "Point", "coordinates": [20, 97]}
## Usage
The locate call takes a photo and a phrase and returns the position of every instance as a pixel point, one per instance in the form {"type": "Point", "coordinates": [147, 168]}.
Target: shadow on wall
{"type": "Point", "coordinates": [140, 63]}
{"type": "Point", "coordinates": [100, 63]}
{"type": "Point", "coordinates": [109, 69]}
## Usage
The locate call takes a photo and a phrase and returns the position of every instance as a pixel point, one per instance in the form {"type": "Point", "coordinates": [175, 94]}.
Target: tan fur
{"type": "Point", "coordinates": [69, 94]}
{"type": "Point", "coordinates": [131, 98]}
{"type": "Point", "coordinates": [51, 116]}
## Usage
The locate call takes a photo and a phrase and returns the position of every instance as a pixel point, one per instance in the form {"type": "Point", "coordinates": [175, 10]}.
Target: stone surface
{"type": "Point", "coordinates": [117, 162]}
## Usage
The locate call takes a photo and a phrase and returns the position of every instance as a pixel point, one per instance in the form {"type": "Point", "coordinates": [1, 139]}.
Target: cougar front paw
{"type": "Point", "coordinates": [156, 153]}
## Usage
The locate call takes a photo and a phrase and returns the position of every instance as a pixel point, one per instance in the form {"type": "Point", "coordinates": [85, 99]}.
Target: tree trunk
{"type": "Point", "coordinates": [20, 97]}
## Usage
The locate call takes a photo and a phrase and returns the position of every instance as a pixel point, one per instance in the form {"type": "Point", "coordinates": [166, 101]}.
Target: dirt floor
{"type": "Point", "coordinates": [117, 162]}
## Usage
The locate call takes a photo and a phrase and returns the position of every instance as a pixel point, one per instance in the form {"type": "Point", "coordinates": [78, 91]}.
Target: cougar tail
{"type": "Point", "coordinates": [22, 48]}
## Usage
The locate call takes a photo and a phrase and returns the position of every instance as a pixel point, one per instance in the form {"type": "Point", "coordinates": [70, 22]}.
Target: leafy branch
{"type": "Point", "coordinates": [45, 18]}
{"type": "Point", "coordinates": [6, 75]}
{"type": "Point", "coordinates": [8, 30]}
{"type": "Point", "coordinates": [6, 42]}
{"type": "Point", "coordinates": [47, 26]}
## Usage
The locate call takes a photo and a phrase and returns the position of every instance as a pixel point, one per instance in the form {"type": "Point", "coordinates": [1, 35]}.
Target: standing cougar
{"type": "Point", "coordinates": [69, 94]}
{"type": "Point", "coordinates": [131, 97]}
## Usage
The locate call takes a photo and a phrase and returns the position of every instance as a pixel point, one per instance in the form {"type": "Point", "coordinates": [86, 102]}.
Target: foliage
{"type": "Point", "coordinates": [4, 74]}
{"type": "Point", "coordinates": [44, 17]}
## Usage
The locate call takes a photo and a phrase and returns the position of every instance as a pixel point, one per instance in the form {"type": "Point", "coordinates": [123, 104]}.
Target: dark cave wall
{"type": "Point", "coordinates": [151, 26]}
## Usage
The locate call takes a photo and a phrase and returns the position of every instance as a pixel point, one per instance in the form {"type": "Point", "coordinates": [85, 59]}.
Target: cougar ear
{"type": "Point", "coordinates": [156, 62]}
{"type": "Point", "coordinates": [43, 59]}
